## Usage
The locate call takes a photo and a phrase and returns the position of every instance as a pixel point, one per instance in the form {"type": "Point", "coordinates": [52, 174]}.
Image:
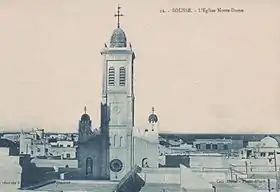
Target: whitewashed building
{"type": "Point", "coordinates": [36, 144]}
{"type": "Point", "coordinates": [146, 143]}
{"type": "Point", "coordinates": [225, 146]}
{"type": "Point", "coordinates": [10, 178]}
{"type": "Point", "coordinates": [264, 148]}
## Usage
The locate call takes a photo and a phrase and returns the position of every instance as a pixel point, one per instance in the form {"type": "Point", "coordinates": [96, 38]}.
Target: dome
{"type": "Point", "coordinates": [118, 38]}
{"type": "Point", "coordinates": [153, 118]}
{"type": "Point", "coordinates": [269, 142]}
{"type": "Point", "coordinates": [85, 117]}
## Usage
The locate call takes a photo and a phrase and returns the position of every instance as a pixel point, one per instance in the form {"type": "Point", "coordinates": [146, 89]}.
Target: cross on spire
{"type": "Point", "coordinates": [85, 109]}
{"type": "Point", "coordinates": [118, 15]}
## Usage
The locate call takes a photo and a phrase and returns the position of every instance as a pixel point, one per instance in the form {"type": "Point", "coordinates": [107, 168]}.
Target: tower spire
{"type": "Point", "coordinates": [118, 15]}
{"type": "Point", "coordinates": [153, 110]}
{"type": "Point", "coordinates": [85, 109]}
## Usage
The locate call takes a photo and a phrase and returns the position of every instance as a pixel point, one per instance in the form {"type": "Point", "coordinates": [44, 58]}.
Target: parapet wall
{"type": "Point", "coordinates": [161, 175]}
{"type": "Point", "coordinates": [10, 177]}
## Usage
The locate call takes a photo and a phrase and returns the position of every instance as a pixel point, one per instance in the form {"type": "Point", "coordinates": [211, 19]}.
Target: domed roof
{"type": "Point", "coordinates": [85, 117]}
{"type": "Point", "coordinates": [269, 142]}
{"type": "Point", "coordinates": [153, 117]}
{"type": "Point", "coordinates": [118, 38]}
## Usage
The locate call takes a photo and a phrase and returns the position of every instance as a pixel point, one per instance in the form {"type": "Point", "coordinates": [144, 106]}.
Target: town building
{"type": "Point", "coordinates": [265, 148]}
{"type": "Point", "coordinates": [225, 146]}
{"type": "Point", "coordinates": [37, 145]}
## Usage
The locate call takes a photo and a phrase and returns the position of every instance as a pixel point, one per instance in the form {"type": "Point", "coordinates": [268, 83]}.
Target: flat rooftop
{"type": "Point", "coordinates": [102, 186]}
{"type": "Point", "coordinates": [107, 186]}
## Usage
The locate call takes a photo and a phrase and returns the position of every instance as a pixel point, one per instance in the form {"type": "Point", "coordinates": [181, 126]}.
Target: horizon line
{"type": "Point", "coordinates": [168, 132]}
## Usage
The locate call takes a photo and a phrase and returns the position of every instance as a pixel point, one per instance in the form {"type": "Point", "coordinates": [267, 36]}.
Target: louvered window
{"type": "Point", "coordinates": [122, 76]}
{"type": "Point", "coordinates": [111, 76]}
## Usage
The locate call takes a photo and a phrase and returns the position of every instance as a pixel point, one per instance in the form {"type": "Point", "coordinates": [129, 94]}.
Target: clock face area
{"type": "Point", "coordinates": [116, 109]}
{"type": "Point", "coordinates": [117, 112]}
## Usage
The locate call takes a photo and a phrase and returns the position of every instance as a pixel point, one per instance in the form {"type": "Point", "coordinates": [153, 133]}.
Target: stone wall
{"type": "Point", "coordinates": [55, 163]}
{"type": "Point", "coordinates": [191, 181]}
{"type": "Point", "coordinates": [65, 152]}
{"type": "Point", "coordinates": [253, 165]}
{"type": "Point", "coordinates": [10, 171]}
{"type": "Point", "coordinates": [208, 160]}
{"type": "Point", "coordinates": [70, 174]}
{"type": "Point", "coordinates": [161, 175]}
{"type": "Point", "coordinates": [213, 176]}
{"type": "Point", "coordinates": [145, 149]}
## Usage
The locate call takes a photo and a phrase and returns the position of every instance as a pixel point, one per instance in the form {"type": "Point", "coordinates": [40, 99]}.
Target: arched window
{"type": "Point", "coordinates": [145, 162]}
{"type": "Point", "coordinates": [115, 140]}
{"type": "Point", "coordinates": [88, 166]}
{"type": "Point", "coordinates": [122, 76]}
{"type": "Point", "coordinates": [111, 76]}
{"type": "Point", "coordinates": [121, 141]}
{"type": "Point", "coordinates": [110, 141]}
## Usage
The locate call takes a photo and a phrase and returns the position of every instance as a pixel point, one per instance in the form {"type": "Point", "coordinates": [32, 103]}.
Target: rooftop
{"type": "Point", "coordinates": [107, 186]}
{"type": "Point", "coordinates": [216, 140]}
{"type": "Point", "coordinates": [102, 186]}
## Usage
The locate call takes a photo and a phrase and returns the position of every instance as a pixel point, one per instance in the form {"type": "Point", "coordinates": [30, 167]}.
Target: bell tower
{"type": "Point", "coordinates": [85, 127]}
{"type": "Point", "coordinates": [118, 97]}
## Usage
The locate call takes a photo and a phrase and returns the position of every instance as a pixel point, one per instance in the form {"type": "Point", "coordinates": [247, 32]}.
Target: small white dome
{"type": "Point", "coordinates": [269, 142]}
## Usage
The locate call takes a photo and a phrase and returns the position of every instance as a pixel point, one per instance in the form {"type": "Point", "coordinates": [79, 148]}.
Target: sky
{"type": "Point", "coordinates": [215, 72]}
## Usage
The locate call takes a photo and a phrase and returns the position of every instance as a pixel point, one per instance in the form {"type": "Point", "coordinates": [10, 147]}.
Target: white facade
{"type": "Point", "coordinates": [192, 181]}
{"type": "Point", "coordinates": [264, 148]}
{"type": "Point", "coordinates": [113, 147]}
{"type": "Point", "coordinates": [63, 152]}
{"type": "Point", "coordinates": [146, 146]}
{"type": "Point", "coordinates": [212, 144]}
{"type": "Point", "coordinates": [12, 137]}
{"type": "Point", "coordinates": [183, 149]}
{"type": "Point", "coordinates": [10, 178]}
{"type": "Point", "coordinates": [39, 146]}
{"type": "Point", "coordinates": [117, 93]}
{"type": "Point", "coordinates": [39, 149]}
{"type": "Point", "coordinates": [56, 163]}
{"type": "Point", "coordinates": [127, 145]}
{"type": "Point", "coordinates": [25, 145]}
{"type": "Point", "coordinates": [65, 143]}
{"type": "Point", "coordinates": [203, 160]}
{"type": "Point", "coordinates": [28, 140]}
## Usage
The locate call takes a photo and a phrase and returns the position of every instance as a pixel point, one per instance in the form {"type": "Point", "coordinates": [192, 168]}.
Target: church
{"type": "Point", "coordinates": [112, 150]}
